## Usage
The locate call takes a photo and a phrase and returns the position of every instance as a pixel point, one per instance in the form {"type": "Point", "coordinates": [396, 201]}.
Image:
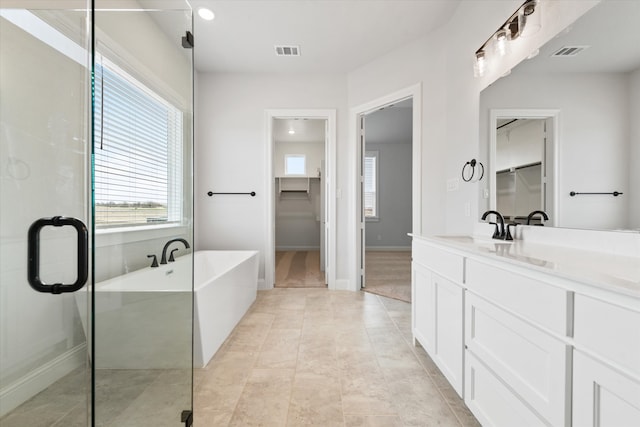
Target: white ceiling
{"type": "Point", "coordinates": [611, 30]}
{"type": "Point", "coordinates": [335, 36]}
{"type": "Point", "coordinates": [306, 130]}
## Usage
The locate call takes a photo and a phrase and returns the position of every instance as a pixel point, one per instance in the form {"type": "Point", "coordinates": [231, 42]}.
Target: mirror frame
{"type": "Point", "coordinates": [494, 115]}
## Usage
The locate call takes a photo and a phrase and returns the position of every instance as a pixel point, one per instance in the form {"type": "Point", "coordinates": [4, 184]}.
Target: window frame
{"type": "Point", "coordinates": [376, 199]}
{"type": "Point", "coordinates": [176, 143]}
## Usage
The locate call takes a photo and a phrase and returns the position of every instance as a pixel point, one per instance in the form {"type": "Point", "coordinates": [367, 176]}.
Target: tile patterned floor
{"type": "Point", "coordinates": [326, 358]}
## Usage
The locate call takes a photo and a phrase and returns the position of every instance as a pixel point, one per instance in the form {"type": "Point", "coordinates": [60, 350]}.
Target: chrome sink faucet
{"type": "Point", "coordinates": [499, 233]}
{"type": "Point", "coordinates": [163, 260]}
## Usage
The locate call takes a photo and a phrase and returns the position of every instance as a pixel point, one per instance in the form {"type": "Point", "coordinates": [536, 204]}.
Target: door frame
{"type": "Point", "coordinates": [355, 203]}
{"type": "Point", "coordinates": [552, 153]}
{"type": "Point", "coordinates": [329, 184]}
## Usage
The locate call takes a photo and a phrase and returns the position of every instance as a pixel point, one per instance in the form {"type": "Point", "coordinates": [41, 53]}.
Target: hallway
{"type": "Point", "coordinates": [327, 358]}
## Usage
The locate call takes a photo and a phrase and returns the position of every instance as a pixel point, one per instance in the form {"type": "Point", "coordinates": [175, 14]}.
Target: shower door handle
{"type": "Point", "coordinates": [33, 250]}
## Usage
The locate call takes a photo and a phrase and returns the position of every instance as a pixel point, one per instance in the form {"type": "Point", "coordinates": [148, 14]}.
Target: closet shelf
{"type": "Point", "coordinates": [294, 185]}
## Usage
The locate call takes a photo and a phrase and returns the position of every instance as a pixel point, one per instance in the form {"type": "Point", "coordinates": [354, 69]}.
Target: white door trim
{"type": "Point", "coordinates": [329, 182]}
{"type": "Point", "coordinates": [414, 92]}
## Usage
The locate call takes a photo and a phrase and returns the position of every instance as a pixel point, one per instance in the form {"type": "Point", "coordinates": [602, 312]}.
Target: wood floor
{"type": "Point", "coordinates": [299, 269]}
{"type": "Point", "coordinates": [388, 274]}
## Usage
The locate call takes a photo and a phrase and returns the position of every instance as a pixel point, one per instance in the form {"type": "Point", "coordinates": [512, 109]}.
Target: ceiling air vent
{"type": "Point", "coordinates": [566, 51]}
{"type": "Point", "coordinates": [287, 50]}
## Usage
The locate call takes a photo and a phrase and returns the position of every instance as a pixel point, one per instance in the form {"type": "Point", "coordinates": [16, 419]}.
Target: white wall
{"type": "Point", "coordinates": [231, 152]}
{"type": "Point", "coordinates": [313, 151]}
{"type": "Point", "coordinates": [634, 150]}
{"type": "Point", "coordinates": [594, 139]}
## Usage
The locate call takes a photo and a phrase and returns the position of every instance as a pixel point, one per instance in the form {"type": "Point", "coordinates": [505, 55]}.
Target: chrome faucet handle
{"type": "Point", "coordinates": [171, 258]}
{"type": "Point", "coordinates": [154, 263]}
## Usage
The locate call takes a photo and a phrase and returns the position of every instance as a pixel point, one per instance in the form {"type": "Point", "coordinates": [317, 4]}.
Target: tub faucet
{"type": "Point", "coordinates": [499, 233]}
{"type": "Point", "coordinates": [166, 246]}
{"type": "Point", "coordinates": [534, 213]}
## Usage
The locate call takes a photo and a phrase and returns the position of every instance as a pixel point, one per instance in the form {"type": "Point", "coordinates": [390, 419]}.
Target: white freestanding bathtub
{"type": "Point", "coordinates": [143, 319]}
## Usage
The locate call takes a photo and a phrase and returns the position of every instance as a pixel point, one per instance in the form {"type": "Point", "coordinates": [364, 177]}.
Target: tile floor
{"type": "Point", "coordinates": [327, 358]}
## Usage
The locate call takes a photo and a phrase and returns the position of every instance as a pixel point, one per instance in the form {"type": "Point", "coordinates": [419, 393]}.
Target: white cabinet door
{"type": "Point", "coordinates": [491, 401]}
{"type": "Point", "coordinates": [424, 308]}
{"type": "Point", "coordinates": [603, 397]}
{"type": "Point", "coordinates": [533, 363]}
{"type": "Point", "coordinates": [438, 307]}
{"type": "Point", "coordinates": [449, 348]}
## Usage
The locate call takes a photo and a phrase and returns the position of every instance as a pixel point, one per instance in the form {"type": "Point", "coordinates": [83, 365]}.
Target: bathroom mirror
{"type": "Point", "coordinates": [581, 96]}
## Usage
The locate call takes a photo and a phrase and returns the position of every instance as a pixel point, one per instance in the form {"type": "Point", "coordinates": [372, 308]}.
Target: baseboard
{"type": "Point", "coordinates": [388, 248]}
{"type": "Point", "coordinates": [39, 379]}
{"type": "Point", "coordinates": [297, 248]}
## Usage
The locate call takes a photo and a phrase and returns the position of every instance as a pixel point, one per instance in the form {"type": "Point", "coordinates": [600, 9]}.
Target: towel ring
{"type": "Point", "coordinates": [472, 165]}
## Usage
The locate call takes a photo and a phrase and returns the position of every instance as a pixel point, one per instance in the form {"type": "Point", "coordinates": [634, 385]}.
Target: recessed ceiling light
{"type": "Point", "coordinates": [206, 14]}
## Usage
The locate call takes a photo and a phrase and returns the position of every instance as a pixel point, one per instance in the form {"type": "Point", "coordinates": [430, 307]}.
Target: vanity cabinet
{"type": "Point", "coordinates": [438, 309]}
{"type": "Point", "coordinates": [525, 345]}
{"type": "Point", "coordinates": [606, 364]}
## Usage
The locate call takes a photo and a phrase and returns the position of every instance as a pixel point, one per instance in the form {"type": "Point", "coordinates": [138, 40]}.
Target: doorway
{"type": "Point", "coordinates": [357, 256]}
{"type": "Point", "coordinates": [523, 174]}
{"type": "Point", "coordinates": [386, 196]}
{"type": "Point", "coordinates": [300, 249]}
{"type": "Point", "coordinates": [298, 158]}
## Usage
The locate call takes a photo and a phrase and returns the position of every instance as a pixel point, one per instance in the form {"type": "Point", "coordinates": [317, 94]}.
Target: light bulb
{"type": "Point", "coordinates": [480, 66]}
{"type": "Point", "coordinates": [501, 43]}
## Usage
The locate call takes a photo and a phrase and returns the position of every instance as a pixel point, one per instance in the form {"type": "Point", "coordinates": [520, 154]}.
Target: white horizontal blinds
{"type": "Point", "coordinates": [138, 153]}
{"type": "Point", "coordinates": [370, 185]}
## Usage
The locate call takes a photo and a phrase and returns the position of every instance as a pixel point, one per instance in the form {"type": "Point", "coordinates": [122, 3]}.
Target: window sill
{"type": "Point", "coordinates": [120, 235]}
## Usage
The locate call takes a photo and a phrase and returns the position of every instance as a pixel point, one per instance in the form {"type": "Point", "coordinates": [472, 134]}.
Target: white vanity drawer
{"type": "Point", "coordinates": [491, 401]}
{"type": "Point", "coordinates": [535, 300]}
{"type": "Point", "coordinates": [446, 264]}
{"type": "Point", "coordinates": [608, 330]}
{"type": "Point", "coordinates": [533, 363]}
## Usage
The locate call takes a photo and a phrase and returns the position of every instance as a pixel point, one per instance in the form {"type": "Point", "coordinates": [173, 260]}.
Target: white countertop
{"type": "Point", "coordinates": [616, 273]}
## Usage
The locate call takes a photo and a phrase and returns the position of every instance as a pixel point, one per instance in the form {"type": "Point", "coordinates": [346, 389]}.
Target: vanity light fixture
{"type": "Point", "coordinates": [206, 14]}
{"type": "Point", "coordinates": [524, 22]}
{"type": "Point", "coordinates": [480, 66]}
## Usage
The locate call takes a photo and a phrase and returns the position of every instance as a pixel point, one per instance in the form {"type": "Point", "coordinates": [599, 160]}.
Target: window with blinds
{"type": "Point", "coordinates": [137, 153]}
{"type": "Point", "coordinates": [371, 184]}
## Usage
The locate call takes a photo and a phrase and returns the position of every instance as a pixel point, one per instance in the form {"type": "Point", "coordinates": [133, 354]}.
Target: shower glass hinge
{"type": "Point", "coordinates": [187, 418]}
{"type": "Point", "coordinates": [187, 40]}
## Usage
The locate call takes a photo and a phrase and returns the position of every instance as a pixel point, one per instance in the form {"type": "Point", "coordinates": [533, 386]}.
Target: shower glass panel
{"type": "Point", "coordinates": [45, 151]}
{"type": "Point", "coordinates": [143, 210]}
{"type": "Point", "coordinates": [96, 151]}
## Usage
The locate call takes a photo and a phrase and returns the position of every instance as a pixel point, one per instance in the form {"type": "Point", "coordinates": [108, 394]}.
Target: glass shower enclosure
{"type": "Point", "coordinates": [96, 213]}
